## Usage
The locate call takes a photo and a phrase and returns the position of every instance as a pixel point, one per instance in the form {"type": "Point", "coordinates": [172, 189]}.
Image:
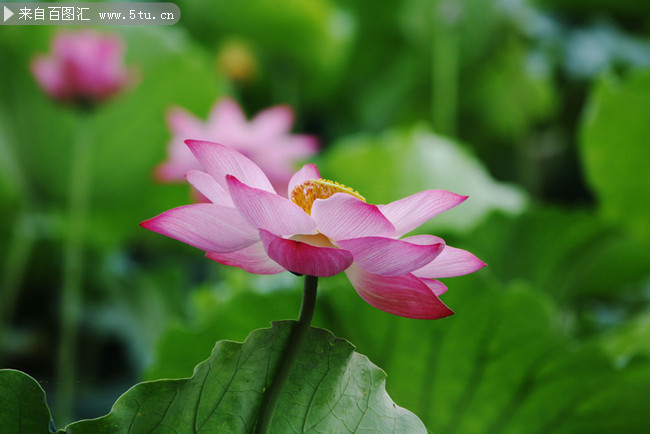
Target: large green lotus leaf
{"type": "Point", "coordinates": [22, 404]}
{"type": "Point", "coordinates": [331, 389]}
{"type": "Point", "coordinates": [399, 163]}
{"type": "Point", "coordinates": [129, 133]}
{"type": "Point", "coordinates": [500, 364]}
{"type": "Point", "coordinates": [614, 144]}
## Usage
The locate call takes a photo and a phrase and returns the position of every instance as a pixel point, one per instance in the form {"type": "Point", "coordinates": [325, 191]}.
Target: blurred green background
{"type": "Point", "coordinates": [539, 110]}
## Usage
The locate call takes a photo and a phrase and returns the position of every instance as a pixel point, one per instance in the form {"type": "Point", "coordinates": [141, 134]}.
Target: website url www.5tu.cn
{"type": "Point", "coordinates": [89, 14]}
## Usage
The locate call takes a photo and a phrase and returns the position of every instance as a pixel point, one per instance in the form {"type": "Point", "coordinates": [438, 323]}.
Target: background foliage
{"type": "Point", "coordinates": [538, 110]}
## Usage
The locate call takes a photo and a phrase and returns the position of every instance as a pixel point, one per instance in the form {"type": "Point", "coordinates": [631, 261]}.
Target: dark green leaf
{"type": "Point", "coordinates": [499, 365]}
{"type": "Point", "coordinates": [22, 404]}
{"type": "Point", "coordinates": [614, 142]}
{"type": "Point", "coordinates": [331, 389]}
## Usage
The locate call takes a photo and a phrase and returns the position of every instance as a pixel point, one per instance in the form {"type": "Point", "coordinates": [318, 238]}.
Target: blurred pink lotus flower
{"type": "Point", "coordinates": [84, 67]}
{"type": "Point", "coordinates": [323, 229]}
{"type": "Point", "coordinates": [265, 140]}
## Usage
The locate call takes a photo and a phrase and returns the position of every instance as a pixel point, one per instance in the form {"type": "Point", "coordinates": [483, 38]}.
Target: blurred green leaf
{"type": "Point", "coordinates": [614, 144]}
{"type": "Point", "coordinates": [498, 365]}
{"type": "Point", "coordinates": [182, 346]}
{"type": "Point", "coordinates": [391, 96]}
{"type": "Point", "coordinates": [331, 389]}
{"type": "Point", "coordinates": [403, 162]}
{"type": "Point", "coordinates": [368, 96]}
{"type": "Point", "coordinates": [22, 404]}
{"type": "Point", "coordinates": [422, 38]}
{"type": "Point", "coordinates": [136, 305]}
{"type": "Point", "coordinates": [630, 339]}
{"type": "Point", "coordinates": [508, 95]}
{"type": "Point", "coordinates": [568, 254]}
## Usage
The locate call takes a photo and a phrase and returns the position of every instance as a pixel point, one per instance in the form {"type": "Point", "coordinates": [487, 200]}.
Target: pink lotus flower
{"type": "Point", "coordinates": [265, 140]}
{"type": "Point", "coordinates": [323, 229]}
{"type": "Point", "coordinates": [84, 67]}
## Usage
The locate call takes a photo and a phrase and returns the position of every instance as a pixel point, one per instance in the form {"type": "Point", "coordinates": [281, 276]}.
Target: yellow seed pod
{"type": "Point", "coordinates": [306, 193]}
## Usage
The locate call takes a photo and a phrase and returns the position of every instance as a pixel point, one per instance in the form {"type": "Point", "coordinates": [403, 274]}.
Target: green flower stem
{"type": "Point", "coordinates": [10, 170]}
{"type": "Point", "coordinates": [22, 239]}
{"type": "Point", "coordinates": [18, 251]}
{"type": "Point", "coordinates": [73, 269]}
{"type": "Point", "coordinates": [272, 395]}
{"type": "Point", "coordinates": [444, 66]}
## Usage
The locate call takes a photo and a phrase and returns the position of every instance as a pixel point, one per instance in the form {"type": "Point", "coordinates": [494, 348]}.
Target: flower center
{"type": "Point", "coordinates": [306, 193]}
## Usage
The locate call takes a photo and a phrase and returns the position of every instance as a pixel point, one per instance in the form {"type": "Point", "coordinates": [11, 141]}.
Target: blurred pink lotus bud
{"type": "Point", "coordinates": [266, 140]}
{"type": "Point", "coordinates": [83, 68]}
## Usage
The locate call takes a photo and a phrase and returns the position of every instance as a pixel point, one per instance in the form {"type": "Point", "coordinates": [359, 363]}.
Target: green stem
{"type": "Point", "coordinates": [18, 252]}
{"type": "Point", "coordinates": [15, 178]}
{"type": "Point", "coordinates": [22, 235]}
{"type": "Point", "coordinates": [298, 333]}
{"type": "Point", "coordinates": [73, 269]}
{"type": "Point", "coordinates": [444, 66]}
